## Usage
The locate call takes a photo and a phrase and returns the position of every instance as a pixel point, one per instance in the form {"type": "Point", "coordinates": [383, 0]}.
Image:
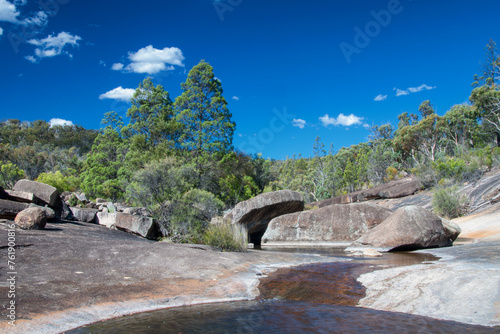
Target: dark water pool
{"type": "Point", "coordinates": [314, 298]}
{"type": "Point", "coordinates": [277, 317]}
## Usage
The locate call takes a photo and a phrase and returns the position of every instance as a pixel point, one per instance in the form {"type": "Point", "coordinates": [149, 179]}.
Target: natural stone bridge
{"type": "Point", "coordinates": [256, 213]}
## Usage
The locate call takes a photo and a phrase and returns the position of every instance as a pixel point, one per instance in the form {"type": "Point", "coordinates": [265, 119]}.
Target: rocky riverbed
{"type": "Point", "coordinates": [71, 274]}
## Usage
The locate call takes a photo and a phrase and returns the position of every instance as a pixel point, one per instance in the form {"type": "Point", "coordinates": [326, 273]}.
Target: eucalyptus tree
{"type": "Point", "coordinates": [490, 75]}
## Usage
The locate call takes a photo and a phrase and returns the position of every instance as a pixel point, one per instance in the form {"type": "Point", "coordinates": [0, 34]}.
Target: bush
{"type": "Point", "coordinates": [426, 174]}
{"type": "Point", "coordinates": [190, 216]}
{"type": "Point", "coordinates": [391, 173]}
{"type": "Point", "coordinates": [10, 174]}
{"type": "Point", "coordinates": [58, 181]}
{"type": "Point", "coordinates": [448, 202]}
{"type": "Point", "coordinates": [452, 168]}
{"type": "Point", "coordinates": [226, 237]}
{"type": "Point", "coordinates": [495, 156]}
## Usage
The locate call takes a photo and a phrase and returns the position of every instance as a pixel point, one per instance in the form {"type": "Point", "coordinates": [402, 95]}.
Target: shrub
{"type": "Point", "coordinates": [391, 173]}
{"type": "Point", "coordinates": [190, 216]}
{"type": "Point", "coordinates": [226, 237]}
{"type": "Point", "coordinates": [448, 202]}
{"type": "Point", "coordinates": [452, 168]}
{"type": "Point", "coordinates": [426, 174]}
{"type": "Point", "coordinates": [495, 153]}
{"type": "Point", "coordinates": [58, 181]}
{"type": "Point", "coordinates": [10, 174]}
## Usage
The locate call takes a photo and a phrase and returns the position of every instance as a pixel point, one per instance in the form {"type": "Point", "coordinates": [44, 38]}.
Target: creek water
{"type": "Point", "coordinates": [313, 298]}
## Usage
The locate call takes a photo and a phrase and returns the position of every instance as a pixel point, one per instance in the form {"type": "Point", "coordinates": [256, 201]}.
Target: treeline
{"type": "Point", "coordinates": [458, 146]}
{"type": "Point", "coordinates": [28, 149]}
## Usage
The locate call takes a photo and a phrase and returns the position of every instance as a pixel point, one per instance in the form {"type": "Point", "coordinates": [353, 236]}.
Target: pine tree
{"type": "Point", "coordinates": [208, 128]}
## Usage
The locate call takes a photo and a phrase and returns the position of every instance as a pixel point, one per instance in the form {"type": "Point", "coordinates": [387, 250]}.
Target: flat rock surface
{"type": "Point", "coordinates": [73, 273]}
{"type": "Point", "coordinates": [463, 286]}
{"type": "Point", "coordinates": [484, 224]}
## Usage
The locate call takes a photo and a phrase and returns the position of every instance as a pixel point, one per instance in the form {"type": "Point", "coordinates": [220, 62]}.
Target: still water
{"type": "Point", "coordinates": [315, 298]}
{"type": "Point", "coordinates": [276, 317]}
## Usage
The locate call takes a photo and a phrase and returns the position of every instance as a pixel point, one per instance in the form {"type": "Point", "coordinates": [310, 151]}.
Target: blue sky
{"type": "Point", "coordinates": [291, 70]}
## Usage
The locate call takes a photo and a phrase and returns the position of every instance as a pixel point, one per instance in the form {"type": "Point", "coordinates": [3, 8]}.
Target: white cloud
{"type": "Point", "coordinates": [300, 123]}
{"type": "Point", "coordinates": [59, 121]}
{"type": "Point", "coordinates": [52, 46]}
{"type": "Point", "coordinates": [380, 97]}
{"type": "Point", "coordinates": [341, 119]}
{"type": "Point", "coordinates": [1, 31]}
{"type": "Point", "coordinates": [40, 19]}
{"type": "Point", "coordinates": [102, 62]}
{"type": "Point", "coordinates": [119, 93]}
{"type": "Point", "coordinates": [400, 92]}
{"type": "Point", "coordinates": [149, 68]}
{"type": "Point", "coordinates": [8, 12]}
{"type": "Point", "coordinates": [420, 88]}
{"type": "Point", "coordinates": [151, 61]}
{"type": "Point", "coordinates": [235, 98]}
{"type": "Point", "coordinates": [117, 67]}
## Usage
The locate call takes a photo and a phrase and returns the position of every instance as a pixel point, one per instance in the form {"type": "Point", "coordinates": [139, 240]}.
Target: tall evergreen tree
{"type": "Point", "coordinates": [208, 128]}
{"type": "Point", "coordinates": [152, 116]}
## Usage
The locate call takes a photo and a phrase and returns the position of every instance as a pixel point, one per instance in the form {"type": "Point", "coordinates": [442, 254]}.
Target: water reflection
{"type": "Point", "coordinates": [277, 317]}
{"type": "Point", "coordinates": [388, 259]}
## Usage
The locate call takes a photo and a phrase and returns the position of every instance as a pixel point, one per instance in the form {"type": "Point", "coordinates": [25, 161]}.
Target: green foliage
{"type": "Point", "coordinates": [236, 177]}
{"type": "Point", "coordinates": [427, 175]}
{"type": "Point", "coordinates": [490, 66]}
{"type": "Point", "coordinates": [486, 100]}
{"type": "Point", "coordinates": [495, 156]}
{"type": "Point", "coordinates": [426, 109]}
{"type": "Point", "coordinates": [205, 203]}
{"type": "Point", "coordinates": [448, 202]}
{"type": "Point", "coordinates": [461, 128]}
{"type": "Point", "coordinates": [101, 175]}
{"type": "Point", "coordinates": [191, 215]}
{"type": "Point", "coordinates": [225, 237]}
{"type": "Point", "coordinates": [166, 188]}
{"type": "Point", "coordinates": [10, 174]}
{"type": "Point", "coordinates": [59, 181]}
{"type": "Point", "coordinates": [153, 131]}
{"type": "Point", "coordinates": [207, 125]}
{"type": "Point", "coordinates": [391, 173]}
{"type": "Point", "coordinates": [451, 168]}
{"type": "Point", "coordinates": [160, 182]}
